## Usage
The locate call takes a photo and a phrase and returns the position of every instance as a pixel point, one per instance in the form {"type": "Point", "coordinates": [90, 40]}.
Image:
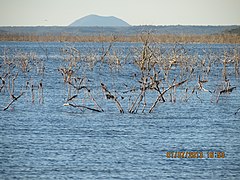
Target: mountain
{"type": "Point", "coordinates": [95, 20]}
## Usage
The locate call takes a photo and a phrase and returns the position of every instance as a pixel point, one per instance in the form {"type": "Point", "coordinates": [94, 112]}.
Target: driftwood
{"type": "Point", "coordinates": [89, 93]}
{"type": "Point", "coordinates": [40, 92]}
{"type": "Point", "coordinates": [112, 97]}
{"type": "Point", "coordinates": [161, 95]}
{"type": "Point", "coordinates": [136, 104]}
{"type": "Point", "coordinates": [13, 100]}
{"type": "Point", "coordinates": [95, 102]}
{"type": "Point", "coordinates": [237, 111]}
{"type": "Point", "coordinates": [227, 90]}
{"type": "Point", "coordinates": [71, 98]}
{"type": "Point", "coordinates": [135, 107]}
{"type": "Point", "coordinates": [79, 87]}
{"type": "Point", "coordinates": [3, 83]}
{"type": "Point", "coordinates": [81, 106]}
{"type": "Point", "coordinates": [107, 51]}
{"type": "Point", "coordinates": [200, 85]}
{"type": "Point", "coordinates": [13, 80]}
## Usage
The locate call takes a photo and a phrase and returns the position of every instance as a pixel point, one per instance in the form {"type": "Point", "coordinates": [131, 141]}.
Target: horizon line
{"type": "Point", "coordinates": [122, 26]}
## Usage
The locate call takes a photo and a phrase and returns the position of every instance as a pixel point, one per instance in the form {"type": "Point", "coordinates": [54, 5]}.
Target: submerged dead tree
{"type": "Point", "coordinates": [135, 79]}
{"type": "Point", "coordinates": [16, 70]}
{"type": "Point", "coordinates": [76, 84]}
{"type": "Point", "coordinates": [162, 75]}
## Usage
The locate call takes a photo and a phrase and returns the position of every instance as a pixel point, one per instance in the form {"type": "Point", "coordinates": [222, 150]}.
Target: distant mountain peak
{"type": "Point", "coordinates": [96, 20]}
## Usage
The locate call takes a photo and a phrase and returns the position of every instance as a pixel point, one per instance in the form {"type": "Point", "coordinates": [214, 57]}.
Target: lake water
{"type": "Point", "coordinates": [52, 141]}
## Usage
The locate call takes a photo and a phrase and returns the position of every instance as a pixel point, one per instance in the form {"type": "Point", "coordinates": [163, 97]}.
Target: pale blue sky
{"type": "Point", "coordinates": [135, 12]}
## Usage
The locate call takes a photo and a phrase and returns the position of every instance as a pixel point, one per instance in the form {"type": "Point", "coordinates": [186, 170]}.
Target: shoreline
{"type": "Point", "coordinates": [161, 38]}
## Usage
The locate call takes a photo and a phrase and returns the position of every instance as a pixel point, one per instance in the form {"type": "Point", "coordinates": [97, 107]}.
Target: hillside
{"type": "Point", "coordinates": [101, 21]}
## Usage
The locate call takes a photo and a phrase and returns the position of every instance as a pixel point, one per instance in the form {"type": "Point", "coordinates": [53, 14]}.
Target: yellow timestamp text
{"type": "Point", "coordinates": [195, 154]}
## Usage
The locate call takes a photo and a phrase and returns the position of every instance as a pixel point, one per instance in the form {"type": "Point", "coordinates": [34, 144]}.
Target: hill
{"type": "Point", "coordinates": [101, 21]}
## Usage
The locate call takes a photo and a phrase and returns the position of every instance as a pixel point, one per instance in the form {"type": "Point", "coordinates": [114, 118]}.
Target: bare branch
{"type": "Point", "coordinates": [14, 99]}
{"type": "Point", "coordinates": [161, 95]}
{"type": "Point", "coordinates": [81, 106]}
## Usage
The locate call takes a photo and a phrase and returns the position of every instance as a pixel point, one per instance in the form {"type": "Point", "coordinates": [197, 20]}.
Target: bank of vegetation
{"type": "Point", "coordinates": [229, 38]}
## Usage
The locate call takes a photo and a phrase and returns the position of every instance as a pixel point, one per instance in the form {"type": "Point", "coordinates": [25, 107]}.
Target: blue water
{"type": "Point", "coordinates": [52, 141]}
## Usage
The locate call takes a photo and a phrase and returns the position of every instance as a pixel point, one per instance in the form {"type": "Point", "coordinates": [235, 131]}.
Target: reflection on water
{"type": "Point", "coordinates": [50, 141]}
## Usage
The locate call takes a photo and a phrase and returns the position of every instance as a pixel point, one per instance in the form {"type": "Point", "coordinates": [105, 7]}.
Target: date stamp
{"type": "Point", "coordinates": [195, 154]}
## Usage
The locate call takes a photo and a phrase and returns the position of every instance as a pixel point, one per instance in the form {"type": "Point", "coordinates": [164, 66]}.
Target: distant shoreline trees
{"type": "Point", "coordinates": [159, 38]}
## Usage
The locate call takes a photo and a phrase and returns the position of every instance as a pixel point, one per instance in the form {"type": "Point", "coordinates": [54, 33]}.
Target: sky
{"type": "Point", "coordinates": [135, 12]}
